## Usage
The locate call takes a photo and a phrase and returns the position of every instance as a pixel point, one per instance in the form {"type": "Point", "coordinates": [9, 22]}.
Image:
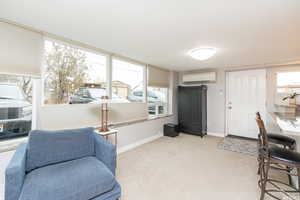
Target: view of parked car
{"type": "Point", "coordinates": [15, 112]}
{"type": "Point", "coordinates": [92, 95]}
{"type": "Point", "coordinates": [154, 101]}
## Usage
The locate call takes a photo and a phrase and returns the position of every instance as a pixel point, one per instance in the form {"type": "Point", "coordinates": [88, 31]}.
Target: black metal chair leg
{"type": "Point", "coordinates": [298, 173]}
{"type": "Point", "coordinates": [265, 173]}
{"type": "Point", "coordinates": [259, 164]}
{"type": "Point", "coordinates": [289, 170]}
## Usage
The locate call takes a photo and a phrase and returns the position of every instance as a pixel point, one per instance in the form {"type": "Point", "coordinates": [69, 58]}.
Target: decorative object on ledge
{"type": "Point", "coordinates": [104, 114]}
{"type": "Point", "coordinates": [292, 98]}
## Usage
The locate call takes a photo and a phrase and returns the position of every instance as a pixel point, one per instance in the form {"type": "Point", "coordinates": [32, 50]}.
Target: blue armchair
{"type": "Point", "coordinates": [63, 165]}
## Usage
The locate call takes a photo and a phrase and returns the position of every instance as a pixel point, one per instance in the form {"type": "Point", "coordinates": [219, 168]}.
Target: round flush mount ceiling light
{"type": "Point", "coordinates": [202, 53]}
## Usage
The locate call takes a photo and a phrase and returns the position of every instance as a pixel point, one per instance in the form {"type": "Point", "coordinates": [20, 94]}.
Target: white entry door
{"type": "Point", "coordinates": [246, 94]}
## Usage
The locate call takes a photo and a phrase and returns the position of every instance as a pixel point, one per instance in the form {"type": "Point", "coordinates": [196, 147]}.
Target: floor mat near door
{"type": "Point", "coordinates": [240, 145]}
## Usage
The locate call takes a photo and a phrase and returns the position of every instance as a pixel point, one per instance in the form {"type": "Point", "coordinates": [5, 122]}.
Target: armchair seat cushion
{"type": "Point", "coordinates": [84, 178]}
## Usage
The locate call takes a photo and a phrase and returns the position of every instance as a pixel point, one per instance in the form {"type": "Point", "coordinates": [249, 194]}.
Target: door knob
{"type": "Point", "coordinates": [229, 107]}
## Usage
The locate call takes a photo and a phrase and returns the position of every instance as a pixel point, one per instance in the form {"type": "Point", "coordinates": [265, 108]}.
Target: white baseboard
{"type": "Point", "coordinates": [139, 143]}
{"type": "Point", "coordinates": [152, 138]}
{"type": "Point", "coordinates": [216, 134]}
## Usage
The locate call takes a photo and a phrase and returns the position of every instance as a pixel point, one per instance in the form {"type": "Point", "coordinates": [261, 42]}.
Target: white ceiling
{"type": "Point", "coordinates": [160, 32]}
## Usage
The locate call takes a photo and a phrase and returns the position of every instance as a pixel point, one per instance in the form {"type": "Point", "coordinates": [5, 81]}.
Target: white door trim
{"type": "Point", "coordinates": [227, 93]}
{"type": "Point", "coordinates": [226, 102]}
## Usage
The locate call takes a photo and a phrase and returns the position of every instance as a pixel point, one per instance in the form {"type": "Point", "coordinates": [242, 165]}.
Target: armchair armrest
{"type": "Point", "coordinates": [15, 173]}
{"type": "Point", "coordinates": [106, 152]}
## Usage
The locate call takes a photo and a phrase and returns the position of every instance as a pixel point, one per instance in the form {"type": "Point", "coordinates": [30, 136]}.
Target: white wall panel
{"type": "Point", "coordinates": [85, 115]}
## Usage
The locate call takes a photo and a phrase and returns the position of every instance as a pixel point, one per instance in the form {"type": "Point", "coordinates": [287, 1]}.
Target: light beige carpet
{"type": "Point", "coordinates": [187, 168]}
{"type": "Point", "coordinates": [182, 168]}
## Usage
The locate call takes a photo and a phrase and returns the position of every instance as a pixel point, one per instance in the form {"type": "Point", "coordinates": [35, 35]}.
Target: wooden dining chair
{"type": "Point", "coordinates": [277, 158]}
{"type": "Point", "coordinates": [278, 139]}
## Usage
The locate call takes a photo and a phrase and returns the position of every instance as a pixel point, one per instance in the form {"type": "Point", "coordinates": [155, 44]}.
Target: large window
{"type": "Point", "coordinates": [15, 106]}
{"type": "Point", "coordinates": [73, 75]}
{"type": "Point", "coordinates": [157, 101]}
{"type": "Point", "coordinates": [127, 81]}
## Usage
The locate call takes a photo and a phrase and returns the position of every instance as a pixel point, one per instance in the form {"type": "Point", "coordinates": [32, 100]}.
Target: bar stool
{"type": "Point", "coordinates": [281, 140]}
{"type": "Point", "coordinates": [272, 154]}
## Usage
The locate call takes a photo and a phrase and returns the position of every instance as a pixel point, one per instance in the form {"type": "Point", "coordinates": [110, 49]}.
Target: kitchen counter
{"type": "Point", "coordinates": [289, 124]}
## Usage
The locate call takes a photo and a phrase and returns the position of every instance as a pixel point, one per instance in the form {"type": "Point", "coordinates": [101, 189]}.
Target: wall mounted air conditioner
{"type": "Point", "coordinates": [199, 77]}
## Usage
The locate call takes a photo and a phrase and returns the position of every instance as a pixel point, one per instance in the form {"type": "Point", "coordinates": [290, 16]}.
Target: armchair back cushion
{"type": "Point", "coordinates": [50, 147]}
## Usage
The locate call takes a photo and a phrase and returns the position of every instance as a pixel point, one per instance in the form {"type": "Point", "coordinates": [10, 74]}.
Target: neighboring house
{"type": "Point", "coordinates": [120, 89]}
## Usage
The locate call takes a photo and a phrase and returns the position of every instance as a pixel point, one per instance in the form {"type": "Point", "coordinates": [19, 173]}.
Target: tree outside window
{"type": "Point", "coordinates": [70, 70]}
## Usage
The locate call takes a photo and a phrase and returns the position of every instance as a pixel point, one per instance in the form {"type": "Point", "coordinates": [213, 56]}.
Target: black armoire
{"type": "Point", "coordinates": [192, 110]}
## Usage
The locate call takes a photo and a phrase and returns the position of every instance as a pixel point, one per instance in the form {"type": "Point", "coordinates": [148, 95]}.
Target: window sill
{"type": "Point", "coordinates": [12, 144]}
{"type": "Point", "coordinates": [84, 104]}
{"type": "Point", "coordinates": [121, 124]}
{"type": "Point", "coordinates": [159, 116]}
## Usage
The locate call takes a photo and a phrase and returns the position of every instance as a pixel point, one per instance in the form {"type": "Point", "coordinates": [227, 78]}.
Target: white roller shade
{"type": "Point", "coordinates": [158, 77]}
{"type": "Point", "coordinates": [20, 50]}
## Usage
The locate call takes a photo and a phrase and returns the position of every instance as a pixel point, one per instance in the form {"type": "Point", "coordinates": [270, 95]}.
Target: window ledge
{"type": "Point", "coordinates": [121, 124]}
{"type": "Point", "coordinates": [159, 116]}
{"type": "Point", "coordinates": [12, 144]}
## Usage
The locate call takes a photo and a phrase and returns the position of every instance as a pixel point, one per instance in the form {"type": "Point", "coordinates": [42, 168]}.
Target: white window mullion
{"type": "Point", "coordinates": [37, 90]}
{"type": "Point", "coordinates": [109, 75]}
{"type": "Point", "coordinates": [171, 91]}
{"type": "Point", "coordinates": [145, 85]}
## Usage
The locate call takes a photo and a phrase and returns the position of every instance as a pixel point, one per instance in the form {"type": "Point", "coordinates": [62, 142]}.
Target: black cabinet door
{"type": "Point", "coordinates": [192, 110]}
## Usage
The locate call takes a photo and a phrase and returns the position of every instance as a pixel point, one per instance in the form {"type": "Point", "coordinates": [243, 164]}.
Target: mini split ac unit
{"type": "Point", "coordinates": [199, 77]}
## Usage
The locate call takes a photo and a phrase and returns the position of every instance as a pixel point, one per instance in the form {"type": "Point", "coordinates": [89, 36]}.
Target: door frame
{"type": "Point", "coordinates": [226, 101]}
{"type": "Point", "coordinates": [227, 89]}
